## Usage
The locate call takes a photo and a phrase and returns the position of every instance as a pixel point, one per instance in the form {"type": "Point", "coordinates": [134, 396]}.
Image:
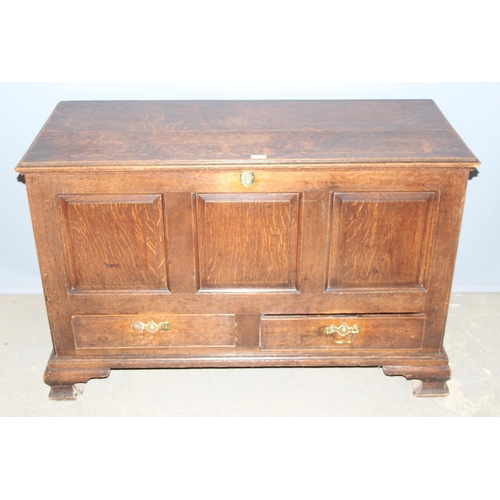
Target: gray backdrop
{"type": "Point", "coordinates": [473, 109]}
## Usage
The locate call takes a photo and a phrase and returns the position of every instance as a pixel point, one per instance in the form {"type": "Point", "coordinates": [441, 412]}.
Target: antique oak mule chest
{"type": "Point", "coordinates": [176, 234]}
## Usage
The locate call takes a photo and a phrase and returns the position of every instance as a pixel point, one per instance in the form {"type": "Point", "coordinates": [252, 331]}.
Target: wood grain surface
{"type": "Point", "coordinates": [188, 330]}
{"type": "Point", "coordinates": [380, 239]}
{"type": "Point", "coordinates": [305, 333]}
{"type": "Point", "coordinates": [199, 132]}
{"type": "Point", "coordinates": [114, 241]}
{"type": "Point", "coordinates": [139, 214]}
{"type": "Point", "coordinates": [247, 240]}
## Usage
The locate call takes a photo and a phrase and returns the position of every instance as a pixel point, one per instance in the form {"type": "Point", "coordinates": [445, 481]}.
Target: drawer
{"type": "Point", "coordinates": [389, 331]}
{"type": "Point", "coordinates": [154, 330]}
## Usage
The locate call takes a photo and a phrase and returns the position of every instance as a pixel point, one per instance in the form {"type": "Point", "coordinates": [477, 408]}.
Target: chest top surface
{"type": "Point", "coordinates": [107, 134]}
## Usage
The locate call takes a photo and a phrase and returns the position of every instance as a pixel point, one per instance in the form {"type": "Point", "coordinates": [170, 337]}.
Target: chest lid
{"type": "Point", "coordinates": [111, 134]}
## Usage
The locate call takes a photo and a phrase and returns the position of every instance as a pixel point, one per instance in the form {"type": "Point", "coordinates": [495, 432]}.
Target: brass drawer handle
{"type": "Point", "coordinates": [151, 326]}
{"type": "Point", "coordinates": [247, 179]}
{"type": "Point", "coordinates": [343, 334]}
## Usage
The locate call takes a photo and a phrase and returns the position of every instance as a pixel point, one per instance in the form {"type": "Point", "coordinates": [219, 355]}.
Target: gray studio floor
{"type": "Point", "coordinates": [472, 342]}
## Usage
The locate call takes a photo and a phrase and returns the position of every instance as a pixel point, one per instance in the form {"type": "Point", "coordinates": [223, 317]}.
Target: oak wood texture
{"type": "Point", "coordinates": [114, 242]}
{"type": "Point", "coordinates": [380, 239]}
{"type": "Point", "coordinates": [62, 381]}
{"type": "Point", "coordinates": [304, 333]}
{"type": "Point", "coordinates": [239, 233]}
{"type": "Point", "coordinates": [139, 214]}
{"type": "Point", "coordinates": [432, 378]}
{"type": "Point", "coordinates": [188, 330]}
{"type": "Point", "coordinates": [198, 132]}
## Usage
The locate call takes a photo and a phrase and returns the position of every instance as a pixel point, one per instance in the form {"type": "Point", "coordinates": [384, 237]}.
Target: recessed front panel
{"type": "Point", "coordinates": [247, 240]}
{"type": "Point", "coordinates": [380, 239]}
{"type": "Point", "coordinates": [114, 242]}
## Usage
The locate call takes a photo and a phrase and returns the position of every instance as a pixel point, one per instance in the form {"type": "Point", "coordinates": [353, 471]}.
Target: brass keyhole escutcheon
{"type": "Point", "coordinates": [247, 179]}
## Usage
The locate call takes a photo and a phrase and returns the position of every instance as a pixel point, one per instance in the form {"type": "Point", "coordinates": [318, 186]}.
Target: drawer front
{"type": "Point", "coordinates": [342, 332]}
{"type": "Point", "coordinates": [154, 330]}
